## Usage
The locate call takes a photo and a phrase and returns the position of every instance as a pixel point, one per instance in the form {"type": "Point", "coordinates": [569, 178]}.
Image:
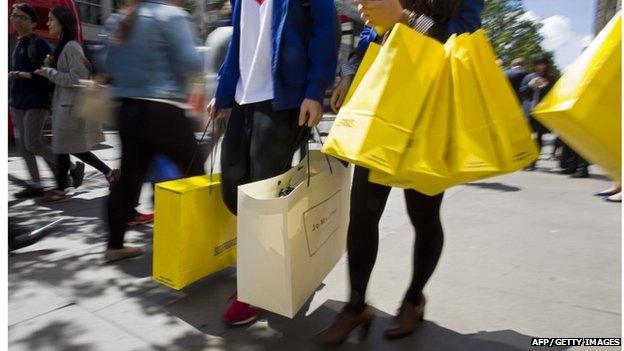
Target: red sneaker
{"type": "Point", "coordinates": [141, 218]}
{"type": "Point", "coordinates": [240, 313]}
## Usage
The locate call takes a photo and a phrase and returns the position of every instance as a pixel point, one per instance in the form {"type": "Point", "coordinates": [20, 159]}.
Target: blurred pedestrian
{"type": "Point", "coordinates": [225, 15]}
{"type": "Point", "coordinates": [573, 164]}
{"type": "Point", "coordinates": [533, 89]}
{"type": "Point", "coordinates": [281, 60]}
{"type": "Point", "coordinates": [29, 99]}
{"type": "Point", "coordinates": [516, 74]}
{"type": "Point", "coordinates": [437, 19]}
{"type": "Point", "coordinates": [150, 58]}
{"type": "Point", "coordinates": [71, 135]}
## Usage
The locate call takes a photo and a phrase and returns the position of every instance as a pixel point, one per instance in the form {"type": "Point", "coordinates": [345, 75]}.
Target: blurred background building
{"type": "Point", "coordinates": [605, 10]}
{"type": "Point", "coordinates": [94, 13]}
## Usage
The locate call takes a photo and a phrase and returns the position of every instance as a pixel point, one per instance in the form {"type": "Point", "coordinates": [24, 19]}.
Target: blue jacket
{"type": "Point", "coordinates": [32, 93]}
{"type": "Point", "coordinates": [304, 53]}
{"type": "Point", "coordinates": [467, 20]}
{"type": "Point", "coordinates": [516, 76]}
{"type": "Point", "coordinates": [157, 58]}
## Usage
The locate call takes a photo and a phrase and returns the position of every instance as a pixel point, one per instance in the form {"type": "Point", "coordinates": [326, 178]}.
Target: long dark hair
{"type": "Point", "coordinates": [128, 17]}
{"type": "Point", "coordinates": [68, 23]}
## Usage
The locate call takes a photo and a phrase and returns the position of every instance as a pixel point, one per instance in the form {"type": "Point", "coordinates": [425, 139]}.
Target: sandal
{"type": "Point", "coordinates": [77, 174]}
{"type": "Point", "coordinates": [54, 196]}
{"type": "Point", "coordinates": [112, 177]}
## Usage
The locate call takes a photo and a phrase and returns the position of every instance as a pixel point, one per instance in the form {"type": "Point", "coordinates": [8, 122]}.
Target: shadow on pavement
{"type": "Point", "coordinates": [275, 332]}
{"type": "Point", "coordinates": [495, 186]}
{"type": "Point", "coordinates": [25, 255]}
{"type": "Point", "coordinates": [58, 335]}
{"type": "Point", "coordinates": [200, 305]}
{"type": "Point", "coordinates": [102, 147]}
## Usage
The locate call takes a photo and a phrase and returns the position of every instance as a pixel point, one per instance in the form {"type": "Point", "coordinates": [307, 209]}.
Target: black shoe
{"type": "Point", "coordinates": [580, 173]}
{"type": "Point", "coordinates": [77, 174]}
{"type": "Point", "coordinates": [530, 167]}
{"type": "Point", "coordinates": [35, 191]}
{"type": "Point", "coordinates": [567, 171]}
{"type": "Point", "coordinates": [28, 238]}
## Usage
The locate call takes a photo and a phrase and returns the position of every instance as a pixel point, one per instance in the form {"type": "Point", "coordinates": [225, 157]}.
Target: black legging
{"type": "Point", "coordinates": [368, 201]}
{"type": "Point", "coordinates": [147, 128]}
{"type": "Point", "coordinates": [64, 165]}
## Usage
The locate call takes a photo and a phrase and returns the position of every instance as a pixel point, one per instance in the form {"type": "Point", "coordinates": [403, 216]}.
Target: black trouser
{"type": "Point", "coordinates": [147, 128]}
{"type": "Point", "coordinates": [539, 129]}
{"type": "Point", "coordinates": [571, 160]}
{"type": "Point", "coordinates": [259, 143]}
{"type": "Point", "coordinates": [64, 164]}
{"type": "Point", "coordinates": [368, 201]}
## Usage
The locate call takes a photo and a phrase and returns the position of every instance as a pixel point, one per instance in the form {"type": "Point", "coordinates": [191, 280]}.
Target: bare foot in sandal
{"type": "Point", "coordinates": [112, 255]}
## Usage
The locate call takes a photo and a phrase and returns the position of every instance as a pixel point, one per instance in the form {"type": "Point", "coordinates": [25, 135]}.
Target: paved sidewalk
{"type": "Point", "coordinates": [527, 254]}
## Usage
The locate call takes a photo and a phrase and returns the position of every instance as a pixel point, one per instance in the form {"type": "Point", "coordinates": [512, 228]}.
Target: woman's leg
{"type": "Point", "coordinates": [92, 160]}
{"type": "Point", "coordinates": [135, 158]}
{"type": "Point", "coordinates": [424, 212]}
{"type": "Point", "coordinates": [62, 171]}
{"type": "Point", "coordinates": [368, 201]}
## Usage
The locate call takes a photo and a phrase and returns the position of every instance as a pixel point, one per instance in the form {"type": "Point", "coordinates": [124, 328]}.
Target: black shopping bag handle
{"type": "Point", "coordinates": [213, 152]}
{"type": "Point", "coordinates": [307, 131]}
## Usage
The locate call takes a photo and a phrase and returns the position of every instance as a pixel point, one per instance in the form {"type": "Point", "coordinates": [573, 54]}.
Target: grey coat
{"type": "Point", "coordinates": [70, 134]}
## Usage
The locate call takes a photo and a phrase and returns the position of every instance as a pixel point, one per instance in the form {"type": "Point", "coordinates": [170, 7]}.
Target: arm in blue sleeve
{"type": "Point", "coordinates": [468, 19]}
{"type": "Point", "coordinates": [100, 57]}
{"type": "Point", "coordinates": [367, 36]}
{"type": "Point", "coordinates": [322, 55]}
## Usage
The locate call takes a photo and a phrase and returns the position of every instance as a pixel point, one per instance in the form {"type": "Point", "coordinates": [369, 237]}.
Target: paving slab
{"type": "Point", "coordinates": [71, 329]}
{"type": "Point", "coordinates": [30, 299]}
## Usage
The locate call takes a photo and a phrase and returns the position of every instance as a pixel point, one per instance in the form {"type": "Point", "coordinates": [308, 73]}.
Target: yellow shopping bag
{"type": "Point", "coordinates": [373, 128]}
{"type": "Point", "coordinates": [483, 134]}
{"type": "Point", "coordinates": [473, 153]}
{"type": "Point", "coordinates": [424, 165]}
{"type": "Point", "coordinates": [369, 57]}
{"type": "Point", "coordinates": [194, 233]}
{"type": "Point", "coordinates": [512, 134]}
{"type": "Point", "coordinates": [585, 106]}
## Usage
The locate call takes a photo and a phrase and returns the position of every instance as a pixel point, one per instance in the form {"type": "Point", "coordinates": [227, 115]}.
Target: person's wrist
{"type": "Point", "coordinates": [405, 16]}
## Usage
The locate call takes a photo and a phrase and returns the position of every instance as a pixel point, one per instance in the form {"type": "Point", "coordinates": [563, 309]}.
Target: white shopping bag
{"type": "Point", "coordinates": [287, 245]}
